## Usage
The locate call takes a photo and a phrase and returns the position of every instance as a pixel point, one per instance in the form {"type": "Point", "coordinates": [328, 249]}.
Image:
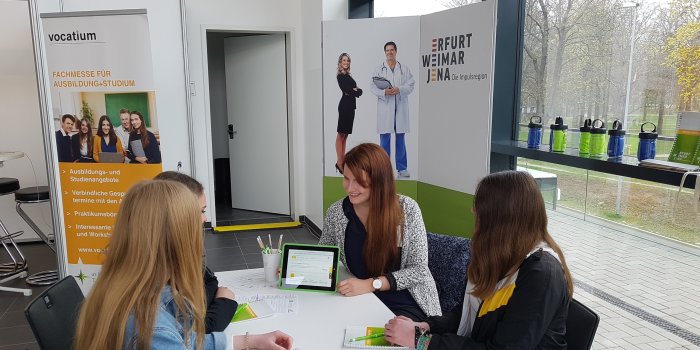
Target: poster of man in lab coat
{"type": "Point", "coordinates": [392, 105]}
{"type": "Point", "coordinates": [369, 59]}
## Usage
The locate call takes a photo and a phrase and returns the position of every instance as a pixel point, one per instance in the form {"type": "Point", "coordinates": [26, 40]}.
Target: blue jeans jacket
{"type": "Point", "coordinates": [168, 331]}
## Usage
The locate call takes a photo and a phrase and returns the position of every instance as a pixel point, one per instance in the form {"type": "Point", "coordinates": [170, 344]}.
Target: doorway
{"type": "Point", "coordinates": [248, 96]}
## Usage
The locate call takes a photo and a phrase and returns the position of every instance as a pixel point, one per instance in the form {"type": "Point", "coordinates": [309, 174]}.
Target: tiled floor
{"type": "Point", "coordinates": [645, 289]}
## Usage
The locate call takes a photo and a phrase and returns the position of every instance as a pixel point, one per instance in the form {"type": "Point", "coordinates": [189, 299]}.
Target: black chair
{"type": "Point", "coordinates": [448, 257]}
{"type": "Point", "coordinates": [53, 314]}
{"type": "Point", "coordinates": [581, 326]}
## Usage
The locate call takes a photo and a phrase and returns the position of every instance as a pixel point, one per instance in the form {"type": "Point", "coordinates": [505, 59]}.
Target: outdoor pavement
{"type": "Point", "coordinates": [646, 289]}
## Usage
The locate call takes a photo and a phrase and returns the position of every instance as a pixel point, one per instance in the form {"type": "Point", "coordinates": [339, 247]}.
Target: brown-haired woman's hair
{"type": "Point", "coordinates": [340, 68]}
{"type": "Point", "coordinates": [112, 135]}
{"type": "Point", "coordinates": [86, 137]}
{"type": "Point", "coordinates": [157, 240]}
{"type": "Point", "coordinates": [141, 130]}
{"type": "Point", "coordinates": [510, 221]}
{"type": "Point", "coordinates": [371, 166]}
{"type": "Point", "coordinates": [192, 184]}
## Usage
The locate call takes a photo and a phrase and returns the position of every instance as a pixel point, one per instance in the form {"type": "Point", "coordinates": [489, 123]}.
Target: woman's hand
{"type": "Point", "coordinates": [142, 160]}
{"type": "Point", "coordinates": [270, 341]}
{"type": "Point", "coordinates": [355, 286]}
{"type": "Point", "coordinates": [401, 330]}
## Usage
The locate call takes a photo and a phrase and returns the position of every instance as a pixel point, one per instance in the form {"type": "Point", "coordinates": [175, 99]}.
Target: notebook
{"type": "Point", "coordinates": [252, 311]}
{"type": "Point", "coordinates": [137, 148]}
{"type": "Point", "coordinates": [111, 157]}
{"type": "Point", "coordinates": [352, 332]}
{"type": "Point", "coordinates": [381, 83]}
{"type": "Point", "coordinates": [686, 146]}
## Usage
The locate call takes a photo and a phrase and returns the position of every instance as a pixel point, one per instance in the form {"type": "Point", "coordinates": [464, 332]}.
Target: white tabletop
{"type": "Point", "coordinates": [8, 155]}
{"type": "Point", "coordinates": [321, 319]}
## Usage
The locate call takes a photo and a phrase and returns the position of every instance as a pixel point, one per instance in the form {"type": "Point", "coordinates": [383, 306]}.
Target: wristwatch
{"type": "Point", "coordinates": [377, 284]}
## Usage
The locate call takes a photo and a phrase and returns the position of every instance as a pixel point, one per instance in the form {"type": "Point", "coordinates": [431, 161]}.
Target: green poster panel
{"type": "Point", "coordinates": [137, 101]}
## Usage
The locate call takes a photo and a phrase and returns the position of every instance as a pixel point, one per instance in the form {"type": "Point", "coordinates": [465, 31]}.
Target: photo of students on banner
{"type": "Point", "coordinates": [122, 134]}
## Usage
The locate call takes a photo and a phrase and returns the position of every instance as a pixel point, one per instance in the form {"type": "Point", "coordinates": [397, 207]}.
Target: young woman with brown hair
{"type": "Point", "coordinates": [381, 236]}
{"type": "Point", "coordinates": [149, 293]}
{"type": "Point", "coordinates": [106, 139]}
{"type": "Point", "coordinates": [519, 286]}
{"type": "Point", "coordinates": [148, 141]}
{"type": "Point", "coordinates": [82, 143]}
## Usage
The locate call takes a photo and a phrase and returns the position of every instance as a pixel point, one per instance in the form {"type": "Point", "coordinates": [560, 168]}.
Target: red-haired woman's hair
{"type": "Point", "coordinates": [510, 221]}
{"type": "Point", "coordinates": [371, 166]}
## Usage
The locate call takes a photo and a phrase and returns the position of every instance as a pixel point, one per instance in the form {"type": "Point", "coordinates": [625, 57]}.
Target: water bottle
{"type": "Point", "coordinates": [597, 138]}
{"type": "Point", "coordinates": [616, 142]}
{"type": "Point", "coordinates": [534, 135]}
{"type": "Point", "coordinates": [557, 138]}
{"type": "Point", "coordinates": [647, 143]}
{"type": "Point", "coordinates": [584, 144]}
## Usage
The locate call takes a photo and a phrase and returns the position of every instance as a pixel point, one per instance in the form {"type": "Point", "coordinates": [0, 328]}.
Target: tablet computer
{"type": "Point", "coordinates": [111, 157]}
{"type": "Point", "coordinates": [309, 267]}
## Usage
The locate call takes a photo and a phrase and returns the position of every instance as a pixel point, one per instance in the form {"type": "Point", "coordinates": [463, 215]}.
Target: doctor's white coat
{"type": "Point", "coordinates": [386, 105]}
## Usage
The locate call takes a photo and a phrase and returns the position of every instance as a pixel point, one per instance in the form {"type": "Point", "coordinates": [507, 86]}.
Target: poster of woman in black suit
{"type": "Point", "coordinates": [346, 108]}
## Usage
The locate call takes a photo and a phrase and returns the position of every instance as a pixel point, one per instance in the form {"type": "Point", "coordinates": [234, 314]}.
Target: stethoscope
{"type": "Point", "coordinates": [385, 68]}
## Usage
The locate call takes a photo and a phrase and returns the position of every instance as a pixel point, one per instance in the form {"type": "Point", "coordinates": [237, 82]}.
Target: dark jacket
{"type": "Point", "coordinates": [534, 317]}
{"type": "Point", "coordinates": [219, 310]}
{"type": "Point", "coordinates": [64, 146]}
{"type": "Point", "coordinates": [75, 145]}
{"type": "Point", "coordinates": [152, 151]}
{"type": "Point", "coordinates": [347, 101]}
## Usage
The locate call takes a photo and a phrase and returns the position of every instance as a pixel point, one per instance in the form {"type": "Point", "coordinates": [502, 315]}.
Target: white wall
{"type": "Point", "coordinates": [22, 123]}
{"type": "Point", "coordinates": [335, 9]}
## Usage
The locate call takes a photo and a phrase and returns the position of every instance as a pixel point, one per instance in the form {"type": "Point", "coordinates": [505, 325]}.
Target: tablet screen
{"type": "Point", "coordinates": [309, 267]}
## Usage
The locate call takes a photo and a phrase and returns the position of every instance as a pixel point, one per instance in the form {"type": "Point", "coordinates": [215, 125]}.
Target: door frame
{"type": "Point", "coordinates": [290, 38]}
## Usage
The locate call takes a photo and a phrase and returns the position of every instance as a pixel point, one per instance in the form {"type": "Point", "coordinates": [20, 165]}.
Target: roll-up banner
{"type": "Point", "coordinates": [105, 124]}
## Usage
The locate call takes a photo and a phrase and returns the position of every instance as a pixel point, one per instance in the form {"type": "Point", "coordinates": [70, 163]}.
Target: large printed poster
{"type": "Point", "coordinates": [384, 48]}
{"type": "Point", "coordinates": [106, 124]}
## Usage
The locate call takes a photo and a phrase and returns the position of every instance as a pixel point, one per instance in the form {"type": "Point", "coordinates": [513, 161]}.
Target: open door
{"type": "Point", "coordinates": [256, 91]}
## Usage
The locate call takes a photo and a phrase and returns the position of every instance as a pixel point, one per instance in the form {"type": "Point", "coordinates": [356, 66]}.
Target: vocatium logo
{"type": "Point", "coordinates": [74, 36]}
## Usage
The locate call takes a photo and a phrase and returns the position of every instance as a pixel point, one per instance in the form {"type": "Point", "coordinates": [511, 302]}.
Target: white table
{"type": "Point", "coordinates": [321, 319]}
{"type": "Point", "coordinates": [9, 155]}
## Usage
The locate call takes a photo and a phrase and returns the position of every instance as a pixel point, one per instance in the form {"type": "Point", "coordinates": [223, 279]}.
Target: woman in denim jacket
{"type": "Point", "coordinates": [149, 293]}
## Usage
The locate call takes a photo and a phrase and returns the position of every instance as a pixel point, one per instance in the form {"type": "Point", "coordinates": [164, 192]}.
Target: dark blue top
{"type": "Point", "coordinates": [355, 235]}
{"type": "Point", "coordinates": [106, 147]}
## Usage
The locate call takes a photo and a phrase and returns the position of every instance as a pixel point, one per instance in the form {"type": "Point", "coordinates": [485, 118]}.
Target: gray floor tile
{"type": "Point", "coordinates": [16, 335]}
{"type": "Point", "coordinates": [25, 346]}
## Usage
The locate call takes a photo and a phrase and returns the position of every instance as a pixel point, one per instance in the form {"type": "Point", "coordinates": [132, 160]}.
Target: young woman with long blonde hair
{"type": "Point", "coordinates": [519, 286]}
{"type": "Point", "coordinates": [149, 294]}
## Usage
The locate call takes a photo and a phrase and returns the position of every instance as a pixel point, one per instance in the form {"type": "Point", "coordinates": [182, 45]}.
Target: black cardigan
{"type": "Point", "coordinates": [533, 318]}
{"type": "Point", "coordinates": [219, 310]}
{"type": "Point", "coordinates": [347, 101]}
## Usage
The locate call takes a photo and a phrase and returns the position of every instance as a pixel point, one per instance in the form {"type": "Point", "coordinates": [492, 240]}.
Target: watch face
{"type": "Point", "coordinates": [377, 283]}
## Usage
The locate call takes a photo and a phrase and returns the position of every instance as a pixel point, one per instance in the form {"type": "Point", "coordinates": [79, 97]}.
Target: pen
{"type": "Point", "coordinates": [269, 238]}
{"type": "Point", "coordinates": [279, 244]}
{"type": "Point", "coordinates": [260, 243]}
{"type": "Point", "coordinates": [371, 336]}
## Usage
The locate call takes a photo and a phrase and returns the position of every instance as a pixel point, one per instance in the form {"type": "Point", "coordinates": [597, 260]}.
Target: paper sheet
{"type": "Point", "coordinates": [280, 303]}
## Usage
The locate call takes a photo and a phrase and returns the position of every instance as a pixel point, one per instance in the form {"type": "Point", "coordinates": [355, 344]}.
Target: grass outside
{"type": "Point", "coordinates": [644, 205]}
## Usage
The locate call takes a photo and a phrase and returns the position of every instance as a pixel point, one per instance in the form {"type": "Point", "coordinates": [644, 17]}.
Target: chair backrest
{"type": "Point", "coordinates": [581, 325]}
{"type": "Point", "coordinates": [53, 314]}
{"type": "Point", "coordinates": [448, 257]}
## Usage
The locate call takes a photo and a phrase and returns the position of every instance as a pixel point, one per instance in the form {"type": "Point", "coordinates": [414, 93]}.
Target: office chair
{"type": "Point", "coordinates": [448, 257]}
{"type": "Point", "coordinates": [53, 314]}
{"type": "Point", "coordinates": [581, 326]}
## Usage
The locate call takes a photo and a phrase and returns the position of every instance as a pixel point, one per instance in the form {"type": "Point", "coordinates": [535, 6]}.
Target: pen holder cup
{"type": "Point", "coordinates": [271, 263]}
